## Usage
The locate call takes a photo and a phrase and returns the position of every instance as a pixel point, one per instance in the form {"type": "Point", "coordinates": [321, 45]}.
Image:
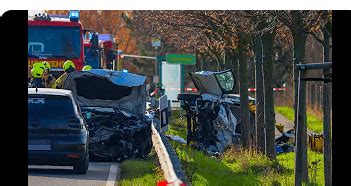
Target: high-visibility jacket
{"type": "Point", "coordinates": [60, 81]}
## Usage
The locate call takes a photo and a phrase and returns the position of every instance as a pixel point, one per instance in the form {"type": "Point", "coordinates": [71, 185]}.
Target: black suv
{"type": "Point", "coordinates": [57, 133]}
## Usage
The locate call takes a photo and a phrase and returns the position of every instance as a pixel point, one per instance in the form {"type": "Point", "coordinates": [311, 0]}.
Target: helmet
{"type": "Point", "coordinates": [37, 71]}
{"type": "Point", "coordinates": [39, 65]}
{"type": "Point", "coordinates": [87, 67]}
{"type": "Point", "coordinates": [67, 65]}
{"type": "Point", "coordinates": [47, 65]}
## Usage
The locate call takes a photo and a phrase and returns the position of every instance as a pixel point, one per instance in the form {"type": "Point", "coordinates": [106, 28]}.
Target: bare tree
{"type": "Point", "coordinates": [300, 23]}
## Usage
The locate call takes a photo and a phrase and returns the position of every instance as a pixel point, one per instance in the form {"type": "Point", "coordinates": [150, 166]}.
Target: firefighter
{"type": "Point", "coordinates": [68, 67]}
{"type": "Point", "coordinates": [87, 67]}
{"type": "Point", "coordinates": [48, 79]}
{"type": "Point", "coordinates": [37, 74]}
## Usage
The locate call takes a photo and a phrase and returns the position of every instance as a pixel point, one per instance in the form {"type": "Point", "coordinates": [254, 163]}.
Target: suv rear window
{"type": "Point", "coordinates": [47, 106]}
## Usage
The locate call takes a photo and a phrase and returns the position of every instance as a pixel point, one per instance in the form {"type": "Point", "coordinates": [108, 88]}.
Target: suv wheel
{"type": "Point", "coordinates": [82, 167]}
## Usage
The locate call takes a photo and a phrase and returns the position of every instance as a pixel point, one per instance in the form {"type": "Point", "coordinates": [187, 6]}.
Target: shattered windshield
{"type": "Point", "coordinates": [226, 80]}
{"type": "Point", "coordinates": [54, 41]}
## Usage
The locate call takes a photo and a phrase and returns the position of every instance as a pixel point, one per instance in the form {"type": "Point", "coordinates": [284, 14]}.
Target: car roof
{"type": "Point", "coordinates": [50, 91]}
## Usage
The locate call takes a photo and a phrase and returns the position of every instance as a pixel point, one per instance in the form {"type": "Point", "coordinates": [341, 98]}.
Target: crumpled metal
{"type": "Point", "coordinates": [216, 127]}
{"type": "Point", "coordinates": [115, 136]}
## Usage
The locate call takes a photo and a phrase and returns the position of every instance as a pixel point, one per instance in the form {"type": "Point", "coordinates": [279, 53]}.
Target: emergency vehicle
{"type": "Point", "coordinates": [101, 53]}
{"type": "Point", "coordinates": [55, 39]}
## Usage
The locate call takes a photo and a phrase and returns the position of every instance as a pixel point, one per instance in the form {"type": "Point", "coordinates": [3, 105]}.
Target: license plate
{"type": "Point", "coordinates": [44, 144]}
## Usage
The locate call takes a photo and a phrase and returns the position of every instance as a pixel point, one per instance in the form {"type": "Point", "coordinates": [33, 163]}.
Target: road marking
{"type": "Point", "coordinates": [112, 175]}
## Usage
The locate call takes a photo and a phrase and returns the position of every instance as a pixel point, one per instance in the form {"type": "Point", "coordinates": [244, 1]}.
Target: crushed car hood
{"type": "Point", "coordinates": [107, 88]}
{"type": "Point", "coordinates": [216, 83]}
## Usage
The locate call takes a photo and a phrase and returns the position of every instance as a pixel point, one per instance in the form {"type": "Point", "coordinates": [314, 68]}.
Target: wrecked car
{"type": "Point", "coordinates": [113, 104]}
{"type": "Point", "coordinates": [213, 116]}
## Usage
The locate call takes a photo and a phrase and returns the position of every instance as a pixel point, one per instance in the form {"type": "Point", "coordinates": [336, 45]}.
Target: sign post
{"type": "Point", "coordinates": [156, 42]}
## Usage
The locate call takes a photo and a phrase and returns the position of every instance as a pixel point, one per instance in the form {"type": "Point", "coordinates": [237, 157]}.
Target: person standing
{"type": "Point", "coordinates": [37, 74]}
{"type": "Point", "coordinates": [48, 79]}
{"type": "Point", "coordinates": [68, 67]}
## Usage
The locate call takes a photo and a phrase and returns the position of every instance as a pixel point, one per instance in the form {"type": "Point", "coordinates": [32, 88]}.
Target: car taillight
{"type": "Point", "coordinates": [73, 155]}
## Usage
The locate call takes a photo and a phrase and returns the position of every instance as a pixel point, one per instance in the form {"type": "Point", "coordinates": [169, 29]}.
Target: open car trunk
{"type": "Point", "coordinates": [113, 104]}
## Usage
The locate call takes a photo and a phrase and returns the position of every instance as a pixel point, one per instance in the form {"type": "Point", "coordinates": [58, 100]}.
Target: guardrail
{"type": "Point", "coordinates": [167, 157]}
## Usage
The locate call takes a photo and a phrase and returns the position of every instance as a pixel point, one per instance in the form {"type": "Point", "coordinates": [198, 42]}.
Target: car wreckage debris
{"type": "Point", "coordinates": [215, 127]}
{"type": "Point", "coordinates": [115, 136]}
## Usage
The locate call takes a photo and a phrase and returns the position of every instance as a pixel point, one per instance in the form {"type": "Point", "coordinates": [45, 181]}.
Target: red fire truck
{"type": "Point", "coordinates": [55, 39]}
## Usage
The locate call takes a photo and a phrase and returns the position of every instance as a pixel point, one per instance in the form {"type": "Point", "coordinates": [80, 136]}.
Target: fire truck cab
{"type": "Point", "coordinates": [55, 39]}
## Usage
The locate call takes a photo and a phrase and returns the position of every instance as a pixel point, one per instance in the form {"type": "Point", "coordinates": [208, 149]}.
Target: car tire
{"type": "Point", "coordinates": [82, 167]}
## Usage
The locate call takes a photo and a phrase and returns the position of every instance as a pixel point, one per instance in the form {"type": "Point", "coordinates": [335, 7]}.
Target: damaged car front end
{"type": "Point", "coordinates": [113, 103]}
{"type": "Point", "coordinates": [213, 116]}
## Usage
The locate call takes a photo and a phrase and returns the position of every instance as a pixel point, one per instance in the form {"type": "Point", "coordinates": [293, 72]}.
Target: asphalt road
{"type": "Point", "coordinates": [98, 174]}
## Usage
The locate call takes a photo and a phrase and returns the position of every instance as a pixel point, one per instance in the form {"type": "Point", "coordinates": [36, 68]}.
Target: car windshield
{"type": "Point", "coordinates": [54, 41]}
{"type": "Point", "coordinates": [226, 80]}
{"type": "Point", "coordinates": [216, 83]}
{"type": "Point", "coordinates": [48, 106]}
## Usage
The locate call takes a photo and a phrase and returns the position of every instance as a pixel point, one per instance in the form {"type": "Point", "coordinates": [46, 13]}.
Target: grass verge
{"type": "Point", "coordinates": [239, 166]}
{"type": "Point", "coordinates": [140, 171]}
{"type": "Point", "coordinates": [313, 123]}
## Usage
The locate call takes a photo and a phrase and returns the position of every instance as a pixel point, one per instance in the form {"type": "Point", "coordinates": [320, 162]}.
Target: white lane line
{"type": "Point", "coordinates": [112, 175]}
{"type": "Point", "coordinates": [118, 177]}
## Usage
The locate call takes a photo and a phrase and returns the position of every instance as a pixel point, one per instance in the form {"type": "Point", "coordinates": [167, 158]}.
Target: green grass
{"type": "Point", "coordinates": [140, 171]}
{"type": "Point", "coordinates": [313, 123]}
{"type": "Point", "coordinates": [239, 166]}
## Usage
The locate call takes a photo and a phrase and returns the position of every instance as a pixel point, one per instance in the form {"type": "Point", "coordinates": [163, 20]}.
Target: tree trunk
{"type": "Point", "coordinates": [326, 115]}
{"type": "Point", "coordinates": [301, 168]}
{"type": "Point", "coordinates": [259, 115]}
{"type": "Point", "coordinates": [312, 95]}
{"type": "Point", "coordinates": [269, 114]}
{"type": "Point", "coordinates": [234, 59]}
{"type": "Point", "coordinates": [299, 38]}
{"type": "Point", "coordinates": [244, 102]}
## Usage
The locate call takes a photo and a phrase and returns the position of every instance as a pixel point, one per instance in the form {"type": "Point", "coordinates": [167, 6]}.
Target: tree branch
{"type": "Point", "coordinates": [314, 34]}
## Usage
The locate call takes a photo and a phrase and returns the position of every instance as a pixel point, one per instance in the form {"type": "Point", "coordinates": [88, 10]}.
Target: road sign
{"type": "Point", "coordinates": [156, 41]}
{"type": "Point", "coordinates": [185, 59]}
